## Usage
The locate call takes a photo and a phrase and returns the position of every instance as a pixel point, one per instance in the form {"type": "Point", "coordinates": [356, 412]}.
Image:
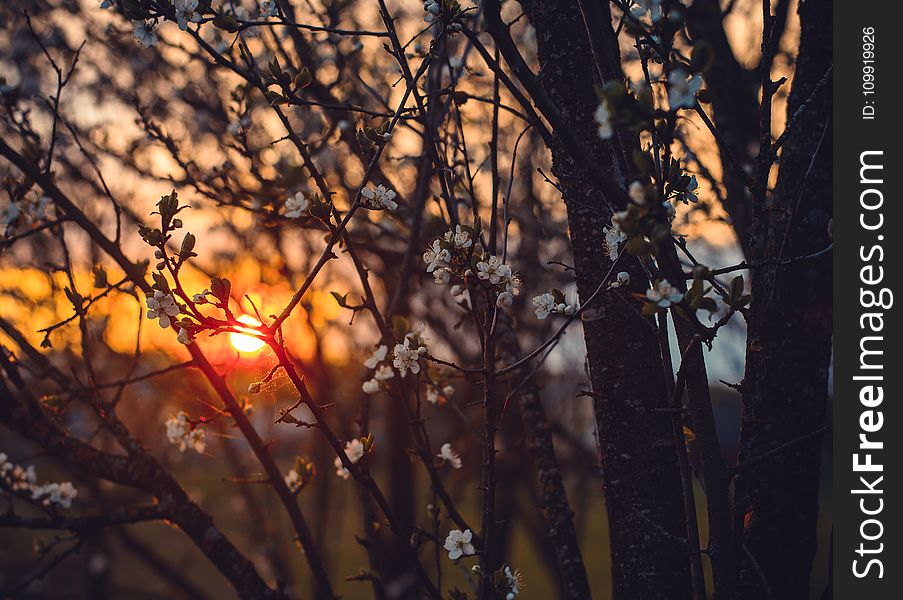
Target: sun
{"type": "Point", "coordinates": [246, 343]}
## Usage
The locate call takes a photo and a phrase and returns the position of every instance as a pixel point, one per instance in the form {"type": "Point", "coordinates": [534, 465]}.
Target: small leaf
{"type": "Point", "coordinates": [342, 299]}
{"type": "Point", "coordinates": [221, 287]}
{"type": "Point", "coordinates": [226, 22]}
{"type": "Point", "coordinates": [736, 289]}
{"type": "Point", "coordinates": [160, 282]}
{"type": "Point", "coordinates": [187, 246]}
{"type": "Point", "coordinates": [302, 79]}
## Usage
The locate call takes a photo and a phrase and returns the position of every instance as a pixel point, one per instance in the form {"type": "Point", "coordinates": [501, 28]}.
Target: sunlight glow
{"type": "Point", "coordinates": [246, 343]}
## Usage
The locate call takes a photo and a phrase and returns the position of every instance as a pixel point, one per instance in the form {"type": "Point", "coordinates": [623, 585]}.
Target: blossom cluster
{"type": "Point", "coordinates": [24, 480]}
{"type": "Point", "coordinates": [382, 371]}
{"type": "Point", "coordinates": [456, 256]}
{"type": "Point", "coordinates": [554, 302]}
{"type": "Point", "coordinates": [379, 198]}
{"type": "Point", "coordinates": [616, 107]}
{"type": "Point", "coordinates": [182, 432]}
{"type": "Point", "coordinates": [405, 357]}
{"type": "Point", "coordinates": [438, 393]}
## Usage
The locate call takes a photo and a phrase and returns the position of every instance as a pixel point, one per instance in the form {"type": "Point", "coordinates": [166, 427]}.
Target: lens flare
{"type": "Point", "coordinates": [246, 343]}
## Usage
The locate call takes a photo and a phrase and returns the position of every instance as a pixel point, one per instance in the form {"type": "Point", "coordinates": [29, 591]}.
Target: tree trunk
{"type": "Point", "coordinates": [641, 482]}
{"type": "Point", "coordinates": [789, 344]}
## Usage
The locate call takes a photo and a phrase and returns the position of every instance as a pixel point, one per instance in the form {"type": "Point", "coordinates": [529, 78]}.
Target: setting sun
{"type": "Point", "coordinates": [246, 343]}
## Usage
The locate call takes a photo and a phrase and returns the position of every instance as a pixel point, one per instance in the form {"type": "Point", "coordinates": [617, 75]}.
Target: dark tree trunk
{"type": "Point", "coordinates": [557, 513]}
{"type": "Point", "coordinates": [641, 481]}
{"type": "Point", "coordinates": [789, 344]}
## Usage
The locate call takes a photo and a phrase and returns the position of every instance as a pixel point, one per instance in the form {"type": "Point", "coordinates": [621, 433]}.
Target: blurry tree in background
{"type": "Point", "coordinates": [291, 297]}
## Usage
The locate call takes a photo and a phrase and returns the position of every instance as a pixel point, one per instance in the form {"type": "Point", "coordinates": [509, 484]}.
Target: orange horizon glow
{"type": "Point", "coordinates": [246, 344]}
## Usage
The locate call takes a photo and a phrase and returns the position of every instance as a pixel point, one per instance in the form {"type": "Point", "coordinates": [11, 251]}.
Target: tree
{"type": "Point", "coordinates": [344, 337]}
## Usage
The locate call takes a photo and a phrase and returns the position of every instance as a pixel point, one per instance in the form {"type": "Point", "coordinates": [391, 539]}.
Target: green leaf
{"type": "Point", "coordinates": [187, 246]}
{"type": "Point", "coordinates": [708, 304]}
{"type": "Point", "coordinates": [302, 79]}
{"type": "Point", "coordinates": [221, 287]}
{"type": "Point", "coordinates": [342, 299]}
{"type": "Point", "coordinates": [226, 22]}
{"type": "Point", "coordinates": [160, 282]}
{"type": "Point", "coordinates": [736, 289]}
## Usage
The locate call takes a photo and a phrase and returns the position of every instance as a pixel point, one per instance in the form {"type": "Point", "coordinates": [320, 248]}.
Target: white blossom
{"type": "Point", "coordinates": [380, 197]}
{"type": "Point", "coordinates": [376, 357]}
{"type": "Point", "coordinates": [437, 395]}
{"type": "Point", "coordinates": [354, 450]}
{"type": "Point", "coordinates": [449, 456]}
{"type": "Point", "coordinates": [549, 303]}
{"type": "Point", "coordinates": [495, 271]}
{"type": "Point", "coordinates": [293, 481]}
{"type": "Point", "coordinates": [383, 373]}
{"type": "Point", "coordinates": [186, 11]}
{"type": "Point", "coordinates": [664, 294]}
{"type": "Point", "coordinates": [181, 433]}
{"type": "Point", "coordinates": [515, 581]}
{"type": "Point", "coordinates": [162, 306]}
{"type": "Point", "coordinates": [505, 300]}
{"type": "Point", "coordinates": [144, 33]}
{"type": "Point", "coordinates": [296, 205]}
{"type": "Point", "coordinates": [59, 494]}
{"type": "Point", "coordinates": [19, 479]}
{"type": "Point", "coordinates": [184, 336]}
{"type": "Point", "coordinates": [458, 543]}
{"type": "Point", "coordinates": [15, 477]}
{"type": "Point", "coordinates": [613, 237]}
{"type": "Point", "coordinates": [681, 90]}
{"type": "Point", "coordinates": [200, 298]}
{"type": "Point", "coordinates": [407, 356]}
{"type": "Point", "coordinates": [436, 257]}
{"type": "Point", "coordinates": [543, 305]}
{"type": "Point", "coordinates": [459, 237]}
{"type": "Point", "coordinates": [371, 386]}
{"type": "Point", "coordinates": [267, 8]}
{"type": "Point", "coordinates": [622, 279]}
{"type": "Point", "coordinates": [441, 276]}
{"type": "Point", "coordinates": [603, 120]}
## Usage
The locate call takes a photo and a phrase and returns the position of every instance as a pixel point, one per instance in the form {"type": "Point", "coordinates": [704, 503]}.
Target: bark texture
{"type": "Point", "coordinates": [785, 389]}
{"type": "Point", "coordinates": [641, 481]}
